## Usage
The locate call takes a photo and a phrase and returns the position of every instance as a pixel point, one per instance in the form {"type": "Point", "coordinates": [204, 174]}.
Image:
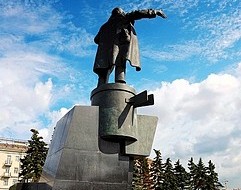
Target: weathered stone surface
{"type": "Point", "coordinates": [117, 117]}
{"type": "Point", "coordinates": [79, 159]}
{"type": "Point", "coordinates": [145, 132]}
{"type": "Point", "coordinates": [93, 146]}
{"type": "Point", "coordinates": [31, 186]}
{"type": "Point", "coordinates": [119, 122]}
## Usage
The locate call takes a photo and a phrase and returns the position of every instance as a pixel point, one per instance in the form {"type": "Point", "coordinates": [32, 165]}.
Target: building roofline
{"type": "Point", "coordinates": [12, 140]}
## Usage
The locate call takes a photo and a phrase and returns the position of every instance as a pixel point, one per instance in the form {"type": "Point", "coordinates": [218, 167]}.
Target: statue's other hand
{"type": "Point", "coordinates": [160, 13]}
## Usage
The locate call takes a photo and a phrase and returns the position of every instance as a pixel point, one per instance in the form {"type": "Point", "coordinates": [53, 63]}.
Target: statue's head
{"type": "Point", "coordinates": [117, 12]}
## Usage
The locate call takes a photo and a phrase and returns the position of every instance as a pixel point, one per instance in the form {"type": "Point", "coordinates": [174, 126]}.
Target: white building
{"type": "Point", "coordinates": [10, 153]}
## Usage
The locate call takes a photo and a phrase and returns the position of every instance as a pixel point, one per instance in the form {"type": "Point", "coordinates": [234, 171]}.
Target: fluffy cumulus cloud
{"type": "Point", "coordinates": [23, 97]}
{"type": "Point", "coordinates": [26, 85]}
{"type": "Point", "coordinates": [201, 120]}
{"type": "Point", "coordinates": [31, 70]}
{"type": "Point", "coordinates": [28, 94]}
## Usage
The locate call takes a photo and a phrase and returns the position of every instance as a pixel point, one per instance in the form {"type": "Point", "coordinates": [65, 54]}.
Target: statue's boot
{"type": "Point", "coordinates": [104, 76]}
{"type": "Point", "coordinates": [120, 73]}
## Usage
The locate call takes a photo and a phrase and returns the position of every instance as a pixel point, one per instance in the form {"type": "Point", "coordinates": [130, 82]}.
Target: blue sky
{"type": "Point", "coordinates": [191, 62]}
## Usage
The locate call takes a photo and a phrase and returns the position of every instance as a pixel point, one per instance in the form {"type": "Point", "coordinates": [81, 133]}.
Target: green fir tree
{"type": "Point", "coordinates": [156, 171]}
{"type": "Point", "coordinates": [163, 176]}
{"type": "Point", "coordinates": [32, 163]}
{"type": "Point", "coordinates": [212, 177]}
{"type": "Point", "coordinates": [141, 175]}
{"type": "Point", "coordinates": [192, 174]}
{"type": "Point", "coordinates": [137, 180]}
{"type": "Point", "coordinates": [200, 177]}
{"type": "Point", "coordinates": [170, 181]}
{"type": "Point", "coordinates": [182, 176]}
{"type": "Point", "coordinates": [147, 182]}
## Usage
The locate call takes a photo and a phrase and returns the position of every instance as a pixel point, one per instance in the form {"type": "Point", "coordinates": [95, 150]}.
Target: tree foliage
{"type": "Point", "coordinates": [212, 177]}
{"type": "Point", "coordinates": [182, 176]}
{"type": "Point", "coordinates": [192, 173]}
{"type": "Point", "coordinates": [156, 171]}
{"type": "Point", "coordinates": [137, 181]}
{"type": "Point", "coordinates": [165, 176]}
{"type": "Point", "coordinates": [32, 163]}
{"type": "Point", "coordinates": [170, 179]}
{"type": "Point", "coordinates": [141, 174]}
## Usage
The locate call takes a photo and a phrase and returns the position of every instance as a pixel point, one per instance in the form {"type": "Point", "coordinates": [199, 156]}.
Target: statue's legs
{"type": "Point", "coordinates": [120, 69]}
{"type": "Point", "coordinates": [101, 80]}
{"type": "Point", "coordinates": [104, 75]}
{"type": "Point", "coordinates": [120, 73]}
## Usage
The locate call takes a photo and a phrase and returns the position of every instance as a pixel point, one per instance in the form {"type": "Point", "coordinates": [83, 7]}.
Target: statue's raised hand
{"type": "Point", "coordinates": [160, 13]}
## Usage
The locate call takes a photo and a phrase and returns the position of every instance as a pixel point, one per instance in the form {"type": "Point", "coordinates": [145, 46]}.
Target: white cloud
{"type": "Point", "coordinates": [54, 117]}
{"type": "Point", "coordinates": [32, 73]}
{"type": "Point", "coordinates": [21, 19]}
{"type": "Point", "coordinates": [27, 91]}
{"type": "Point", "coordinates": [181, 7]}
{"type": "Point", "coordinates": [222, 31]}
{"type": "Point", "coordinates": [174, 52]}
{"type": "Point", "coordinates": [78, 42]}
{"type": "Point", "coordinates": [215, 31]}
{"type": "Point", "coordinates": [21, 108]}
{"type": "Point", "coordinates": [41, 27]}
{"type": "Point", "coordinates": [43, 93]}
{"type": "Point", "coordinates": [200, 120]}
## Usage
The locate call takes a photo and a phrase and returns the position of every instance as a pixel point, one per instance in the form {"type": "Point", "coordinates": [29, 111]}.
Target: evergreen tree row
{"type": "Point", "coordinates": [159, 175]}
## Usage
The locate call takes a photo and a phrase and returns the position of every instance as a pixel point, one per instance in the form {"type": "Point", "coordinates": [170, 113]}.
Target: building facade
{"type": "Point", "coordinates": [11, 151]}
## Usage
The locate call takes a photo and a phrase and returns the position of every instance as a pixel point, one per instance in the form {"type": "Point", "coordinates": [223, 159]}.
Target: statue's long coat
{"type": "Point", "coordinates": [117, 37]}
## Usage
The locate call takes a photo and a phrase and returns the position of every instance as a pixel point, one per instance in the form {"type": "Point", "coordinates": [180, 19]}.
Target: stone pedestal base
{"type": "Point", "coordinates": [30, 186]}
{"type": "Point", "coordinates": [79, 160]}
{"type": "Point", "coordinates": [93, 146]}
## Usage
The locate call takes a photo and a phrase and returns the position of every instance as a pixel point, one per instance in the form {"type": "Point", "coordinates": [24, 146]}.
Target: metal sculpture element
{"type": "Point", "coordinates": [117, 43]}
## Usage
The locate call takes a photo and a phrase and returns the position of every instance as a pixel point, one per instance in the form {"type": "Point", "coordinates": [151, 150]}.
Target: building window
{"type": "Point", "coordinates": [7, 170]}
{"type": "Point", "coordinates": [16, 170]}
{"type": "Point", "coordinates": [15, 181]}
{"type": "Point", "coordinates": [5, 182]}
{"type": "Point", "coordinates": [17, 158]}
{"type": "Point", "coordinates": [8, 159]}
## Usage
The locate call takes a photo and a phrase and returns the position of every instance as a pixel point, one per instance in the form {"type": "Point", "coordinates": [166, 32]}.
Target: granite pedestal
{"type": "Point", "coordinates": [79, 160]}
{"type": "Point", "coordinates": [93, 147]}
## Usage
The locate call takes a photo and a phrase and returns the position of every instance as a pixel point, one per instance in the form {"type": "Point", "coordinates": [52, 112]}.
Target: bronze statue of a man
{"type": "Point", "coordinates": [117, 43]}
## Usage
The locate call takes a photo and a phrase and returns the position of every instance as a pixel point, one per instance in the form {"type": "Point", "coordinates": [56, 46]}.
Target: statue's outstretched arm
{"type": "Point", "coordinates": [160, 13]}
{"type": "Point", "coordinates": [148, 13]}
